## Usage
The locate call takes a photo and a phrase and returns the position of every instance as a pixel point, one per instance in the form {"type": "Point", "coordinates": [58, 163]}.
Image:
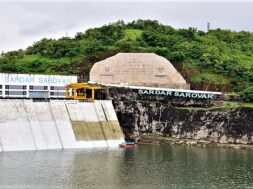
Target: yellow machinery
{"type": "Point", "coordinates": [81, 91]}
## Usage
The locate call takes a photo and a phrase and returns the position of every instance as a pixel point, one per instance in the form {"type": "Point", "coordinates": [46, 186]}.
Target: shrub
{"type": "Point", "coordinates": [247, 94]}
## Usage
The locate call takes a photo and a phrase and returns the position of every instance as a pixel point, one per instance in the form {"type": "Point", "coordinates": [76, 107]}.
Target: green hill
{"type": "Point", "coordinates": [214, 60]}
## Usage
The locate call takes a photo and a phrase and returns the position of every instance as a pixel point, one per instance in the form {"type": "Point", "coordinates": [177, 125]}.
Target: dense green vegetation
{"type": "Point", "coordinates": [214, 60]}
{"type": "Point", "coordinates": [247, 94]}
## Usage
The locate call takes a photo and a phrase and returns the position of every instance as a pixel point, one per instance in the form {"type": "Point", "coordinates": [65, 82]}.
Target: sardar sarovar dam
{"type": "Point", "coordinates": [57, 124]}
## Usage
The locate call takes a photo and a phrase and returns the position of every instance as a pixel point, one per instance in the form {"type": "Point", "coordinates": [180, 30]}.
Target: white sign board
{"type": "Point", "coordinates": [41, 80]}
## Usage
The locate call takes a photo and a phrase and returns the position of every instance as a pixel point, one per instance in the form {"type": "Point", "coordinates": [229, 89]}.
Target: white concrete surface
{"type": "Point", "coordinates": [153, 88]}
{"type": "Point", "coordinates": [31, 109]}
{"type": "Point", "coordinates": [112, 117]}
{"type": "Point", "coordinates": [48, 125]}
{"type": "Point", "coordinates": [102, 118]}
{"type": "Point", "coordinates": [99, 110]}
{"type": "Point", "coordinates": [25, 131]}
{"type": "Point", "coordinates": [63, 124]}
{"type": "Point", "coordinates": [109, 110]}
{"type": "Point", "coordinates": [28, 125]}
{"type": "Point", "coordinates": [15, 132]}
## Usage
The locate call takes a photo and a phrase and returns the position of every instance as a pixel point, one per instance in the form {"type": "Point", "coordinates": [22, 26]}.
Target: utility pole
{"type": "Point", "coordinates": [208, 26]}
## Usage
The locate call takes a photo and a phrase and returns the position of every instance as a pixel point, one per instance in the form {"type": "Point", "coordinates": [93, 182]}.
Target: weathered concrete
{"type": "Point", "coordinates": [28, 125]}
{"type": "Point", "coordinates": [112, 120]}
{"type": "Point", "coordinates": [15, 131]}
{"type": "Point", "coordinates": [106, 128]}
{"type": "Point", "coordinates": [142, 69]}
{"type": "Point", "coordinates": [48, 125]}
{"type": "Point", "coordinates": [31, 109]}
{"type": "Point", "coordinates": [63, 124]}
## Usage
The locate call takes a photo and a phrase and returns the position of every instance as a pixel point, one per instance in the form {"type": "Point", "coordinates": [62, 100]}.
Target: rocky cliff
{"type": "Point", "coordinates": [229, 125]}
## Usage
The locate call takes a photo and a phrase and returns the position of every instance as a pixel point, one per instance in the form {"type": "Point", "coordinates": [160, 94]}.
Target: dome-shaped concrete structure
{"type": "Point", "coordinates": [138, 69]}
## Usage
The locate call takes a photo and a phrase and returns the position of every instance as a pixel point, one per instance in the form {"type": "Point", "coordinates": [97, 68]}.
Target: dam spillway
{"type": "Point", "coordinates": [57, 124]}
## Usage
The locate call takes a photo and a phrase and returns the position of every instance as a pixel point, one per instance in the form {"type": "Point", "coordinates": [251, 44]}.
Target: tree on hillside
{"type": "Point", "coordinates": [218, 52]}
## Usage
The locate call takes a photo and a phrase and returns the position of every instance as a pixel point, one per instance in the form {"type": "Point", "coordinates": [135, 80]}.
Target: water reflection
{"type": "Point", "coordinates": [143, 167]}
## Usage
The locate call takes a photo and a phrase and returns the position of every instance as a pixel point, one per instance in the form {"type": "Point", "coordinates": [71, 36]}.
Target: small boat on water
{"type": "Point", "coordinates": [127, 145]}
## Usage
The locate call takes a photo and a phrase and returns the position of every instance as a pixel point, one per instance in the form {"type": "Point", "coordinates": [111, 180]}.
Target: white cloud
{"type": "Point", "coordinates": [22, 23]}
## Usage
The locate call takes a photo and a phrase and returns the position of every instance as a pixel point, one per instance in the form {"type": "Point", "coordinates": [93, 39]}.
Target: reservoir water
{"type": "Point", "coordinates": [146, 166]}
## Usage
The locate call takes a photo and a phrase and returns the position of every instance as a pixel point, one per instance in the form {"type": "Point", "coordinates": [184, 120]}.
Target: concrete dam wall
{"type": "Point", "coordinates": [28, 125]}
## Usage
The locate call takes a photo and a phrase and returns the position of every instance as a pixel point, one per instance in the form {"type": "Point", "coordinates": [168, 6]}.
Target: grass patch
{"type": "Point", "coordinates": [132, 34]}
{"type": "Point", "coordinates": [249, 104]}
{"type": "Point", "coordinates": [210, 78]}
{"type": "Point", "coordinates": [34, 64]}
{"type": "Point", "coordinates": [246, 61]}
{"type": "Point", "coordinates": [230, 93]}
{"type": "Point", "coordinates": [37, 64]}
{"type": "Point", "coordinates": [224, 106]}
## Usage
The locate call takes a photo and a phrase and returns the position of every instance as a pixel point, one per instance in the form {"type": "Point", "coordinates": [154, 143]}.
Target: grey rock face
{"type": "Point", "coordinates": [217, 125]}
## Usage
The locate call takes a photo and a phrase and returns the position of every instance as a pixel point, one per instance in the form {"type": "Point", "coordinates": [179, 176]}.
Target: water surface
{"type": "Point", "coordinates": [143, 167]}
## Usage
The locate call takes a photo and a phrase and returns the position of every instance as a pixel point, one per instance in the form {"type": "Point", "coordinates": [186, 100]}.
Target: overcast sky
{"type": "Point", "coordinates": [22, 23]}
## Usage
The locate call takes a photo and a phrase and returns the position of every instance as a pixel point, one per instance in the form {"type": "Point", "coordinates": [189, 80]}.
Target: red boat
{"type": "Point", "coordinates": [127, 145]}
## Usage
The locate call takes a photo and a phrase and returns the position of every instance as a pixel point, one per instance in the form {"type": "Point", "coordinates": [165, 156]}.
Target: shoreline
{"type": "Point", "coordinates": [163, 140]}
